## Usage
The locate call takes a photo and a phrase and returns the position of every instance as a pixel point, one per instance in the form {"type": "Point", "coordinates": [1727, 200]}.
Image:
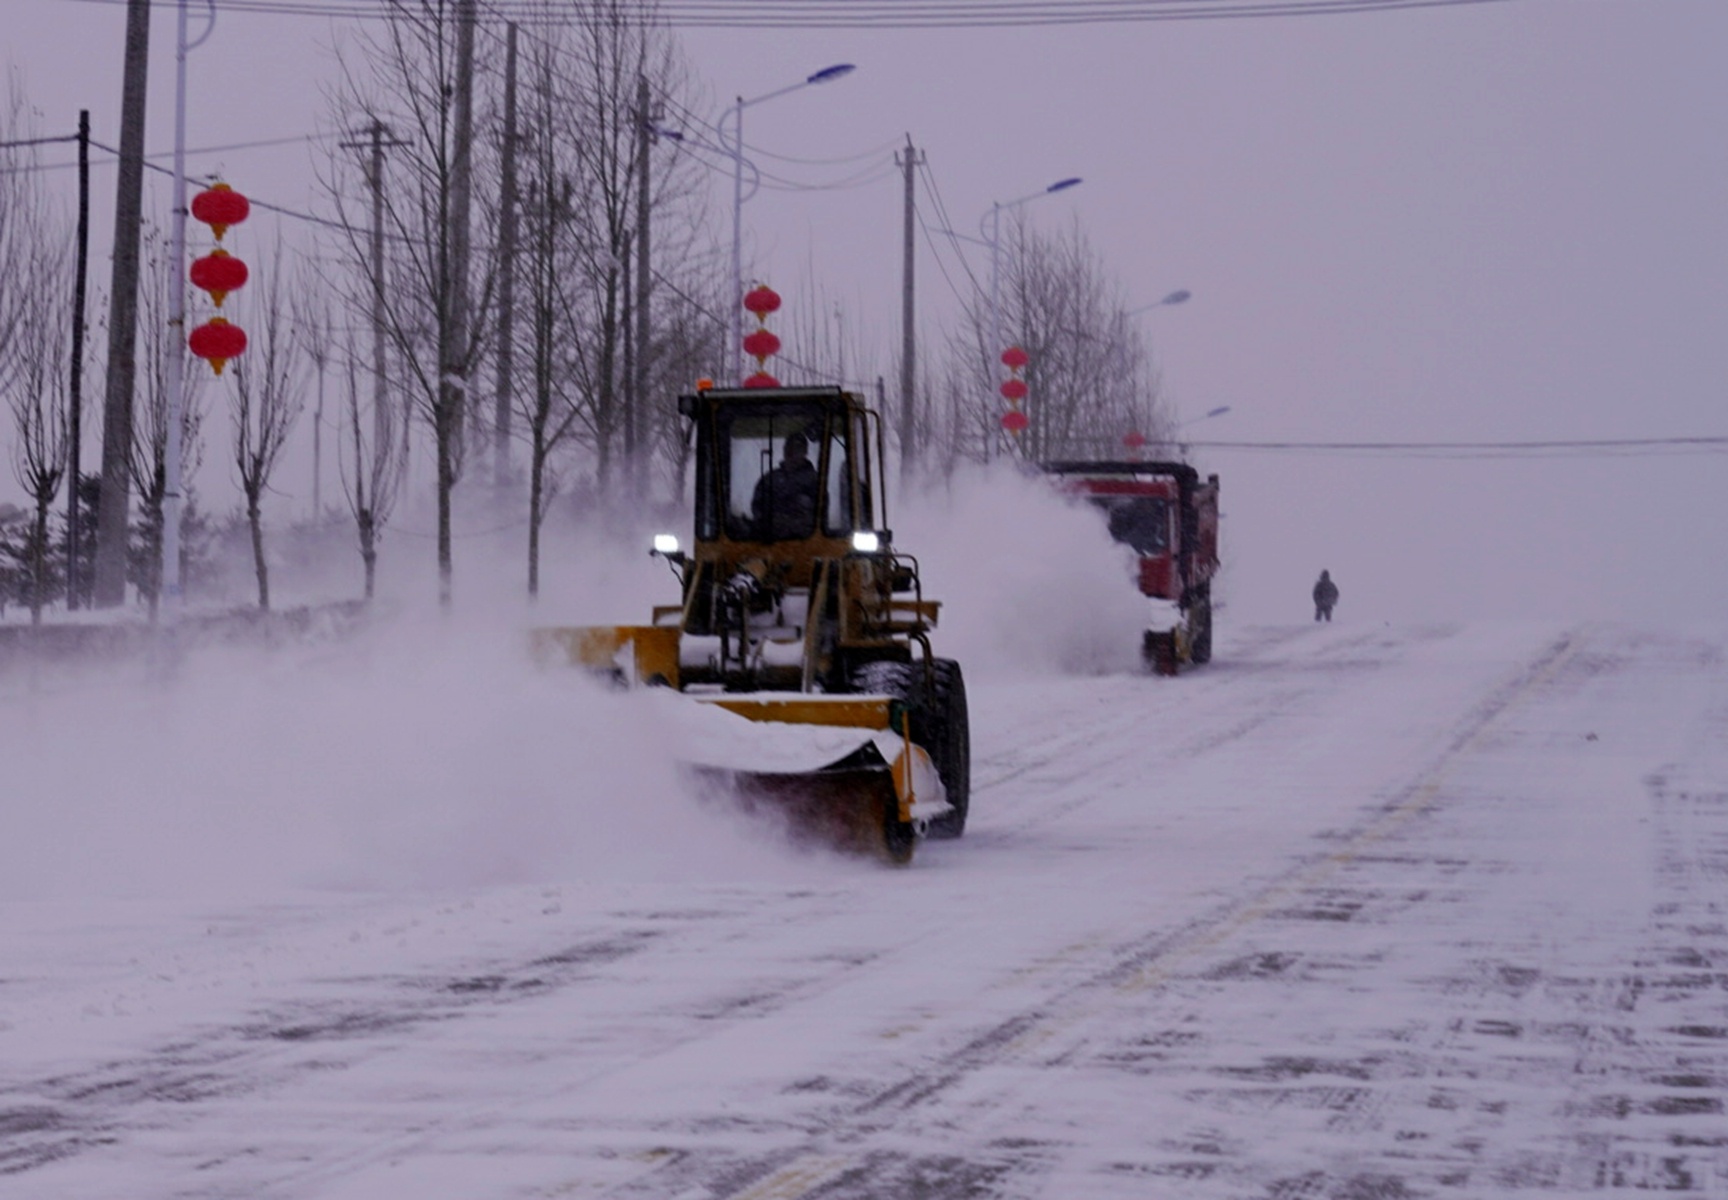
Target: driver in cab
{"type": "Point", "coordinates": [784, 503]}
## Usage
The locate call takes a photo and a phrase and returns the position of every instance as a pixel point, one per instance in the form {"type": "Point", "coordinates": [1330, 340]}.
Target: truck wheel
{"type": "Point", "coordinates": [951, 746]}
{"type": "Point", "coordinates": [1159, 651]}
{"type": "Point", "coordinates": [1200, 622]}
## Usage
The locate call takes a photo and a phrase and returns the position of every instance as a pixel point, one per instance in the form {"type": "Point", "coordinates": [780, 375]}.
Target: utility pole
{"type": "Point", "coordinates": [75, 434]}
{"type": "Point", "coordinates": [112, 514]}
{"type": "Point", "coordinates": [505, 399]}
{"type": "Point", "coordinates": [376, 144]}
{"type": "Point", "coordinates": [910, 162]}
{"type": "Point", "coordinates": [627, 376]}
{"type": "Point", "coordinates": [645, 139]}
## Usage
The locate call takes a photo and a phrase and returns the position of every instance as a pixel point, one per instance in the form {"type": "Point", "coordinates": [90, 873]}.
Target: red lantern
{"type": "Point", "coordinates": [761, 345]}
{"type": "Point", "coordinates": [1134, 440]}
{"type": "Point", "coordinates": [1014, 390]}
{"type": "Point", "coordinates": [761, 380]}
{"type": "Point", "coordinates": [761, 300]}
{"type": "Point", "coordinates": [218, 273]}
{"type": "Point", "coordinates": [1014, 421]}
{"type": "Point", "coordinates": [1014, 358]}
{"type": "Point", "coordinates": [217, 341]}
{"type": "Point", "coordinates": [219, 207]}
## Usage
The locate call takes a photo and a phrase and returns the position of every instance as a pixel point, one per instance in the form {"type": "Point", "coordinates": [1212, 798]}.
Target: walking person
{"type": "Point", "coordinates": [1325, 596]}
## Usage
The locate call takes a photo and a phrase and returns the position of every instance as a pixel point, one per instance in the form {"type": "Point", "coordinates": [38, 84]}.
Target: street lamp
{"type": "Point", "coordinates": [1179, 296]}
{"type": "Point", "coordinates": [1215, 412]}
{"type": "Point", "coordinates": [993, 239]}
{"type": "Point", "coordinates": [1182, 447]}
{"type": "Point", "coordinates": [735, 324]}
{"type": "Point", "coordinates": [175, 383]}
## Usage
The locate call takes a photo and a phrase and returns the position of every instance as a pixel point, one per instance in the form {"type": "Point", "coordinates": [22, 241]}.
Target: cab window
{"type": "Point", "coordinates": [1141, 522]}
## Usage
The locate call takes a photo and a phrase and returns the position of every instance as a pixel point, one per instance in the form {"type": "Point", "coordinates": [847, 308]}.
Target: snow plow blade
{"type": "Point", "coordinates": [841, 770]}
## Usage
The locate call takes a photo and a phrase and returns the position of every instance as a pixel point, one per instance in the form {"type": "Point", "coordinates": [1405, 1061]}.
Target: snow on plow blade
{"type": "Point", "coordinates": [843, 768]}
{"type": "Point", "coordinates": [838, 767]}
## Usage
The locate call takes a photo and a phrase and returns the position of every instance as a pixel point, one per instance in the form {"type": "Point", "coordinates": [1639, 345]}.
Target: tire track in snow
{"type": "Point", "coordinates": [853, 1164]}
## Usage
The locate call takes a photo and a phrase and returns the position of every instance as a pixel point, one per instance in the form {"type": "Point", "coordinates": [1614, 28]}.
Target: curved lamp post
{"type": "Point", "coordinates": [175, 383]}
{"type": "Point", "coordinates": [735, 322]}
{"type": "Point", "coordinates": [993, 239]}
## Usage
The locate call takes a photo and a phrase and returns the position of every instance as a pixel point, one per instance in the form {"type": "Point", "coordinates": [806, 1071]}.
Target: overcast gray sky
{"type": "Point", "coordinates": [1491, 222]}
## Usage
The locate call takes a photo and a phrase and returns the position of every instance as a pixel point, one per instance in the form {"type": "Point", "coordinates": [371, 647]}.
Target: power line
{"type": "Point", "coordinates": [1575, 448]}
{"type": "Point", "coordinates": [41, 141]}
{"type": "Point", "coordinates": [255, 202]}
{"type": "Point", "coordinates": [875, 14]}
{"type": "Point", "coordinates": [197, 152]}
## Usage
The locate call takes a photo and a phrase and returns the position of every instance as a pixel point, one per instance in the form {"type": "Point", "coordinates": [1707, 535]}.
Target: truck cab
{"type": "Point", "coordinates": [1168, 517]}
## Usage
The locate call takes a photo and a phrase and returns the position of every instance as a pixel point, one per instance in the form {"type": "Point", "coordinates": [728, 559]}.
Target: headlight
{"type": "Point", "coordinates": [665, 543]}
{"type": "Point", "coordinates": [865, 541]}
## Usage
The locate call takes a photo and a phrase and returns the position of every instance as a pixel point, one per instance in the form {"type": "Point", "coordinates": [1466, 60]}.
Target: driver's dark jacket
{"type": "Point", "coordinates": [784, 503]}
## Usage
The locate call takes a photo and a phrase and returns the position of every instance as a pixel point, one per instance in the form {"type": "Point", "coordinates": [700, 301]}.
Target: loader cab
{"type": "Point", "coordinates": [781, 467]}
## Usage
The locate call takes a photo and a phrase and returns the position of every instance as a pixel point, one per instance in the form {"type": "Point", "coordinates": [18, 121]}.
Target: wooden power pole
{"type": "Point", "coordinates": [910, 162]}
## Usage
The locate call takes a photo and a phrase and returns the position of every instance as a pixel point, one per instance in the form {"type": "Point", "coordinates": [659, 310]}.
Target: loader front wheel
{"type": "Point", "coordinates": [937, 703]}
{"type": "Point", "coordinates": [951, 746]}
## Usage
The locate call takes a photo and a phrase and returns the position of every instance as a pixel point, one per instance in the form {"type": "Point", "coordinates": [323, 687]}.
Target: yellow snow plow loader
{"type": "Point", "coordinates": [803, 636]}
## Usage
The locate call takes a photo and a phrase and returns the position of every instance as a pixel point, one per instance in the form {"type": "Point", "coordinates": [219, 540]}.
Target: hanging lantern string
{"type": "Point", "coordinates": [1014, 390]}
{"type": "Point", "coordinates": [761, 344]}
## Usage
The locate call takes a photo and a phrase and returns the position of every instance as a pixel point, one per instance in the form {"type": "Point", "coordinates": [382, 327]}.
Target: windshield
{"type": "Point", "coordinates": [1142, 522]}
{"type": "Point", "coordinates": [773, 467]}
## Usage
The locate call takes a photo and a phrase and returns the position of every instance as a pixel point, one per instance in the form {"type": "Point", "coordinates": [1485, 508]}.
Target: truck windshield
{"type": "Point", "coordinates": [1141, 522]}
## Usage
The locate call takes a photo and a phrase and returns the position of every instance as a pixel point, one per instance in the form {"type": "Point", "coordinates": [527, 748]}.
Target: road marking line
{"type": "Point", "coordinates": [797, 1178]}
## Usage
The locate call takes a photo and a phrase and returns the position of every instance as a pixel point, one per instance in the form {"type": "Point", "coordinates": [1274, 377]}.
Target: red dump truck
{"type": "Point", "coordinates": [1168, 516]}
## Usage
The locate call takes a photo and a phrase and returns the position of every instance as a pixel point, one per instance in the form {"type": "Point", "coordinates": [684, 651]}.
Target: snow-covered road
{"type": "Point", "coordinates": [1348, 913]}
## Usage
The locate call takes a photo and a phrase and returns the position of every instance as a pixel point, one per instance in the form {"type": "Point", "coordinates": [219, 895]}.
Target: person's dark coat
{"type": "Point", "coordinates": [1325, 596]}
{"type": "Point", "coordinates": [784, 503]}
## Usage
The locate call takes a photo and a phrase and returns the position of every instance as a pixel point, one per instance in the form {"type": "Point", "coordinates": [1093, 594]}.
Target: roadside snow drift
{"type": "Point", "coordinates": [429, 758]}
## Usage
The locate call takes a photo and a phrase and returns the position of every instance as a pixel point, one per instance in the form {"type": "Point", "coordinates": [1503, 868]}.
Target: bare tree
{"type": "Point", "coordinates": [35, 294]}
{"type": "Point", "coordinates": [158, 340]}
{"type": "Point", "coordinates": [583, 164]}
{"type": "Point", "coordinates": [315, 334]}
{"type": "Point", "coordinates": [594, 72]}
{"type": "Point", "coordinates": [265, 402]}
{"type": "Point", "coordinates": [39, 395]}
{"type": "Point", "coordinates": [547, 408]}
{"type": "Point", "coordinates": [20, 225]}
{"type": "Point", "coordinates": [1090, 374]}
{"type": "Point", "coordinates": [371, 465]}
{"type": "Point", "coordinates": [414, 73]}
